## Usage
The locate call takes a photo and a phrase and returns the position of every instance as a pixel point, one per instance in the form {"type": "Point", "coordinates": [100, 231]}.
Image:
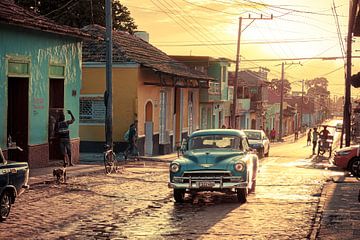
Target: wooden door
{"type": "Point", "coordinates": [18, 116]}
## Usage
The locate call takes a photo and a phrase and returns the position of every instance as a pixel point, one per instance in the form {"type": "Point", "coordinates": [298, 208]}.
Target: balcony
{"type": "Point", "coordinates": [243, 105]}
{"type": "Point", "coordinates": [212, 94]}
{"type": "Point", "coordinates": [214, 88]}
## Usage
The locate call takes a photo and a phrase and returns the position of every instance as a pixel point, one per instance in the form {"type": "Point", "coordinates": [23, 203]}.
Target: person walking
{"type": "Point", "coordinates": [63, 133]}
{"type": "Point", "coordinates": [308, 142]}
{"type": "Point", "coordinates": [296, 135]}
{"type": "Point", "coordinates": [132, 138]}
{"type": "Point", "coordinates": [273, 134]}
{"type": "Point", "coordinates": [315, 136]}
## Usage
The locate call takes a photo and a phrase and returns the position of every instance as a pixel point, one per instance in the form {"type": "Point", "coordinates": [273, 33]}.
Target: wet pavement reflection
{"type": "Point", "coordinates": [136, 204]}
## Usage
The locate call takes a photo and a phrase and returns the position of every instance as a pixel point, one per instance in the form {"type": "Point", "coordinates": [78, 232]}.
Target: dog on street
{"type": "Point", "coordinates": [60, 175]}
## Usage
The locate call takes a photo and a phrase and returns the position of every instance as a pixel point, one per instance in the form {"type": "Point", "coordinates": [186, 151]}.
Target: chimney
{"type": "Point", "coordinates": [143, 35]}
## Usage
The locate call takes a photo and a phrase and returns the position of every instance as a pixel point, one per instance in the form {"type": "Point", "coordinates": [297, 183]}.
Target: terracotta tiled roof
{"type": "Point", "coordinates": [129, 48]}
{"type": "Point", "coordinates": [12, 14]}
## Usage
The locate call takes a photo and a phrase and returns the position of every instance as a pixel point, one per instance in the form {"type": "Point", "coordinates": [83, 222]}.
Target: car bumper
{"type": "Point", "coordinates": [341, 162]}
{"type": "Point", "coordinates": [212, 184]}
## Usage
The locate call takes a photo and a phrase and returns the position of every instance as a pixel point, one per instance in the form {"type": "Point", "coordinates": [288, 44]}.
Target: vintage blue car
{"type": "Point", "coordinates": [14, 177]}
{"type": "Point", "coordinates": [215, 160]}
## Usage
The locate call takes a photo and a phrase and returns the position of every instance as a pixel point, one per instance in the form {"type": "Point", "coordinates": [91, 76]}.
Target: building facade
{"type": "Point", "coordinates": [148, 86]}
{"type": "Point", "coordinates": [40, 74]}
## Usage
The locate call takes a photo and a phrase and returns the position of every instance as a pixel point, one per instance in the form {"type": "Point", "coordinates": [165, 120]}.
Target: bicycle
{"type": "Point", "coordinates": [111, 163]}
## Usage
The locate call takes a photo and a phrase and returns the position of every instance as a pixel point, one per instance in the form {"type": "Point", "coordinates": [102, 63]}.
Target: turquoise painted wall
{"type": "Point", "coordinates": [40, 49]}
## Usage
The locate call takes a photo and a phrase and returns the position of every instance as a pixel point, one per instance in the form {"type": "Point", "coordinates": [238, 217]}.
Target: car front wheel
{"type": "Point", "coordinates": [5, 205]}
{"type": "Point", "coordinates": [354, 166]}
{"type": "Point", "coordinates": [242, 195]}
{"type": "Point", "coordinates": [179, 195]}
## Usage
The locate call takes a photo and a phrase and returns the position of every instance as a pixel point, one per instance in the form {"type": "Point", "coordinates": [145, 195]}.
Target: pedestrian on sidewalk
{"type": "Point", "coordinates": [273, 135]}
{"type": "Point", "coordinates": [63, 133]}
{"type": "Point", "coordinates": [132, 138]}
{"type": "Point", "coordinates": [296, 135]}
{"type": "Point", "coordinates": [315, 136]}
{"type": "Point", "coordinates": [308, 142]}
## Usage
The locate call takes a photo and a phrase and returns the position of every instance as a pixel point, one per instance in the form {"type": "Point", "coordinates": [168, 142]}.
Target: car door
{"type": "Point", "coordinates": [4, 172]}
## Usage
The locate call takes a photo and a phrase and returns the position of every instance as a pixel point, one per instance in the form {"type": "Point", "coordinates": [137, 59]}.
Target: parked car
{"type": "Point", "coordinates": [14, 177]}
{"type": "Point", "coordinates": [259, 141]}
{"type": "Point", "coordinates": [215, 160]}
{"type": "Point", "coordinates": [348, 158]}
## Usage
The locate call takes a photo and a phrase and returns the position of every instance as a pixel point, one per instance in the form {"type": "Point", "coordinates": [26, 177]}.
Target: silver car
{"type": "Point", "coordinates": [259, 141]}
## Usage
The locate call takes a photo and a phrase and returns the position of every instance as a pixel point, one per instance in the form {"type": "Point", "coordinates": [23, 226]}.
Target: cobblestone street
{"type": "Point", "coordinates": [136, 204]}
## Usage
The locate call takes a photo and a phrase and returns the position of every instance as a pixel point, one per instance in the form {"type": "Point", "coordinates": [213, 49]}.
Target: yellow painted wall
{"type": "Point", "coordinates": [148, 93]}
{"type": "Point", "coordinates": [125, 93]}
{"type": "Point", "coordinates": [130, 96]}
{"type": "Point", "coordinates": [124, 81]}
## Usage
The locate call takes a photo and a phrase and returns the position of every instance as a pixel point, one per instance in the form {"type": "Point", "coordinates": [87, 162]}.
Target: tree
{"type": "Point", "coordinates": [317, 87]}
{"type": "Point", "coordinates": [276, 86]}
{"type": "Point", "coordinates": [79, 13]}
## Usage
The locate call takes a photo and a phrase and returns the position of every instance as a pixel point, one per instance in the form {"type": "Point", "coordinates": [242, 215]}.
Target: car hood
{"type": "Point", "coordinates": [200, 160]}
{"type": "Point", "coordinates": [348, 148]}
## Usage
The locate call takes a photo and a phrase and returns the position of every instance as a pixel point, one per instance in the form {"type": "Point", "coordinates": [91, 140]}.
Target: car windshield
{"type": "Point", "coordinates": [215, 141]}
{"type": "Point", "coordinates": [253, 135]}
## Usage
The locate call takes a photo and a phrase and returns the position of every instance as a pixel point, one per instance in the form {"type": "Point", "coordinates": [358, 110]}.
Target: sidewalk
{"type": "Point", "coordinates": [338, 214]}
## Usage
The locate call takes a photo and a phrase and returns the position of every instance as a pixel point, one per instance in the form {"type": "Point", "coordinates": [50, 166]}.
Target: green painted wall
{"type": "Point", "coordinates": [40, 49]}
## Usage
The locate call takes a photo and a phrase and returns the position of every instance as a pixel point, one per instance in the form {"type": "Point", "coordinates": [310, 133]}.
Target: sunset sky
{"type": "Point", "coordinates": [299, 29]}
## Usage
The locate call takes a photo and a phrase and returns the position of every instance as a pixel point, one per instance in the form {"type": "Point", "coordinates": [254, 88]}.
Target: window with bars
{"type": "Point", "coordinates": [92, 110]}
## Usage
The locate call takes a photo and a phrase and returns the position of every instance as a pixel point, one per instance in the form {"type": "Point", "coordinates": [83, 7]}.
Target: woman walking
{"type": "Point", "coordinates": [309, 138]}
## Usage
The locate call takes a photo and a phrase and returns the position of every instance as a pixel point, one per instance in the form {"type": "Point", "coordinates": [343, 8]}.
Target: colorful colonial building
{"type": "Point", "coordinates": [40, 74]}
{"type": "Point", "coordinates": [148, 86]}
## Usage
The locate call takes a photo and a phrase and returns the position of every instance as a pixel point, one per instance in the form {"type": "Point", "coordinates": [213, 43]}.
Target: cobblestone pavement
{"type": "Point", "coordinates": [136, 204]}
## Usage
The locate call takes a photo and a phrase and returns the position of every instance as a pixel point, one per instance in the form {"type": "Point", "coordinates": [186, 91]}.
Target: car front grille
{"type": "Point", "coordinates": [207, 175]}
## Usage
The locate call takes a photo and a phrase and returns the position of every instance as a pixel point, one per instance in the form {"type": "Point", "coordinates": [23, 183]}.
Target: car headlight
{"type": "Point", "coordinates": [174, 167]}
{"type": "Point", "coordinates": [343, 153]}
{"type": "Point", "coordinates": [239, 167]}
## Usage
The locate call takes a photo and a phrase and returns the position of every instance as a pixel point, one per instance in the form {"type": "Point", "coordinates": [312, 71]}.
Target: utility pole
{"type": "Point", "coordinates": [233, 116]}
{"type": "Point", "coordinates": [347, 105]}
{"type": "Point", "coordinates": [282, 97]}
{"type": "Point", "coordinates": [302, 103]}
{"type": "Point", "coordinates": [234, 107]}
{"type": "Point", "coordinates": [281, 101]}
{"type": "Point", "coordinates": [108, 95]}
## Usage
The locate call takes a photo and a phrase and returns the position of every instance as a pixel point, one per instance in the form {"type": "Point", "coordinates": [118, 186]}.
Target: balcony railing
{"type": "Point", "coordinates": [214, 88]}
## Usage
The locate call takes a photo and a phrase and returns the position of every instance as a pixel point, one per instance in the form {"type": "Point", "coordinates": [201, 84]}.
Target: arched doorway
{"type": "Point", "coordinates": [253, 123]}
{"type": "Point", "coordinates": [148, 112]}
{"type": "Point", "coordinates": [149, 127]}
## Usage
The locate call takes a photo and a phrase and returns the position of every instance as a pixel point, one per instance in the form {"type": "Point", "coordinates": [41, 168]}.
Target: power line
{"type": "Point", "coordinates": [231, 42]}
{"type": "Point", "coordinates": [342, 47]}
{"type": "Point", "coordinates": [289, 9]}
{"type": "Point", "coordinates": [201, 29]}
{"type": "Point", "coordinates": [176, 21]}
